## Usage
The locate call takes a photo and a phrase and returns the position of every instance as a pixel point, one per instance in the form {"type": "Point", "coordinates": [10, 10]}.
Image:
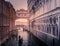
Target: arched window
{"type": "Point", "coordinates": [54, 20]}
{"type": "Point", "coordinates": [53, 29]}
{"type": "Point", "coordinates": [50, 20]}
{"type": "Point", "coordinates": [33, 8]}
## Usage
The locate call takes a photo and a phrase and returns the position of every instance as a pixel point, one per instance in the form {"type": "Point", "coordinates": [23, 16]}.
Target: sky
{"type": "Point", "coordinates": [19, 4]}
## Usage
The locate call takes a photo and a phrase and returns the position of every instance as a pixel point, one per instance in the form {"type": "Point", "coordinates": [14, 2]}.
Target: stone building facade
{"type": "Point", "coordinates": [45, 20]}
{"type": "Point", "coordinates": [7, 19]}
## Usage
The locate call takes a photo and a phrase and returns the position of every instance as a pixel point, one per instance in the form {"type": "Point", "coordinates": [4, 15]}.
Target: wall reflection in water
{"type": "Point", "coordinates": [23, 35]}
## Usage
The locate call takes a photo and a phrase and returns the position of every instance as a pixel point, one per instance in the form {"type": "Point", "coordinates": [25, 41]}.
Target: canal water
{"type": "Point", "coordinates": [29, 39]}
{"type": "Point", "coordinates": [23, 35]}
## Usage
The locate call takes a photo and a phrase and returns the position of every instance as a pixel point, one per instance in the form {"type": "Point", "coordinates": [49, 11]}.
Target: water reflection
{"type": "Point", "coordinates": [23, 35]}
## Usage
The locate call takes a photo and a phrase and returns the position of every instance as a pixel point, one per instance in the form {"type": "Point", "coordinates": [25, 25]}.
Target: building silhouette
{"type": "Point", "coordinates": [7, 20]}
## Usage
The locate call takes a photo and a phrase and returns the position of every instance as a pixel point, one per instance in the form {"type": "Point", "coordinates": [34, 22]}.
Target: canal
{"type": "Point", "coordinates": [29, 39]}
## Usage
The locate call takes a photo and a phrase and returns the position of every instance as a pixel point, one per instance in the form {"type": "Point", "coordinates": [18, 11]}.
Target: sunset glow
{"type": "Point", "coordinates": [19, 4]}
{"type": "Point", "coordinates": [22, 20]}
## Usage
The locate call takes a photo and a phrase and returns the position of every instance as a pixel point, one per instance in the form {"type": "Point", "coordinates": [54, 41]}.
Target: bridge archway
{"type": "Point", "coordinates": [22, 22]}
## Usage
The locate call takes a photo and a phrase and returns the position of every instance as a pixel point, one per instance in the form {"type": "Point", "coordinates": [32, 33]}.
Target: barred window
{"type": "Point", "coordinates": [45, 1]}
{"type": "Point", "coordinates": [54, 20]}
{"type": "Point", "coordinates": [49, 29]}
{"type": "Point", "coordinates": [50, 20]}
{"type": "Point", "coordinates": [38, 27]}
{"type": "Point", "coordinates": [32, 24]}
{"type": "Point", "coordinates": [33, 8]}
{"type": "Point", "coordinates": [53, 30]}
{"type": "Point", "coordinates": [56, 29]}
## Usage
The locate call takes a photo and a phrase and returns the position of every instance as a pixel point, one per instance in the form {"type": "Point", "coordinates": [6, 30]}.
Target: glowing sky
{"type": "Point", "coordinates": [19, 4]}
{"type": "Point", "coordinates": [21, 22]}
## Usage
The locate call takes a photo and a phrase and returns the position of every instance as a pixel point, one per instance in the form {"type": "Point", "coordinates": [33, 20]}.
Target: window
{"type": "Point", "coordinates": [50, 20]}
{"type": "Point", "coordinates": [38, 27]}
{"type": "Point", "coordinates": [56, 29]}
{"type": "Point", "coordinates": [32, 24]}
{"type": "Point", "coordinates": [33, 8]}
{"type": "Point", "coordinates": [40, 3]}
{"type": "Point", "coordinates": [54, 20]}
{"type": "Point", "coordinates": [53, 30]}
{"type": "Point", "coordinates": [49, 29]}
{"type": "Point", "coordinates": [45, 1]}
{"type": "Point", "coordinates": [0, 20]}
{"type": "Point", "coordinates": [37, 0]}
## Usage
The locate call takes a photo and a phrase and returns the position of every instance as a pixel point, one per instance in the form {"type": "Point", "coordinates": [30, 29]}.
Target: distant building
{"type": "Point", "coordinates": [7, 19]}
